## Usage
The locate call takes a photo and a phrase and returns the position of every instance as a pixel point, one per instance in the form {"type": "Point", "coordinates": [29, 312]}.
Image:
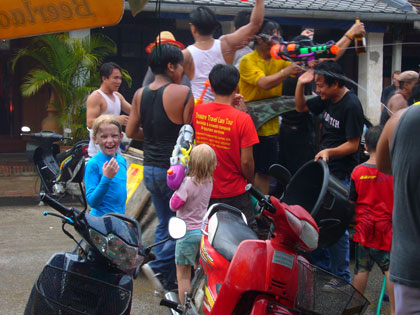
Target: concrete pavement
{"type": "Point", "coordinates": [28, 240]}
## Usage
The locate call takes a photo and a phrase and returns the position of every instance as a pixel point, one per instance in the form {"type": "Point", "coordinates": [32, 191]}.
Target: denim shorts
{"type": "Point", "coordinates": [187, 248]}
{"type": "Point", "coordinates": [366, 257]}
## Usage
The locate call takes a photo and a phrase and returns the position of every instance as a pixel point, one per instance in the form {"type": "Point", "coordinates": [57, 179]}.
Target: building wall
{"type": "Point", "coordinates": [132, 35]}
{"type": "Point", "coordinates": [17, 111]}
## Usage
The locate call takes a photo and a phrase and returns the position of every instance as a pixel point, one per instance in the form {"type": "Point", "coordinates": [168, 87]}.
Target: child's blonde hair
{"type": "Point", "coordinates": [202, 163]}
{"type": "Point", "coordinates": [105, 119]}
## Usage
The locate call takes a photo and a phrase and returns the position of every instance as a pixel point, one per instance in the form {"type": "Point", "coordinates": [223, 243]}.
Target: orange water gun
{"type": "Point", "coordinates": [206, 86]}
{"type": "Point", "coordinates": [303, 50]}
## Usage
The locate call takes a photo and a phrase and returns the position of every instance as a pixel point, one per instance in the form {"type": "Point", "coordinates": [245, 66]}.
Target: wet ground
{"type": "Point", "coordinates": [27, 241]}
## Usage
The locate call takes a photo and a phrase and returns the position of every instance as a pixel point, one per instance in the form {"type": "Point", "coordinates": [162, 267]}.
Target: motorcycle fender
{"type": "Point", "coordinates": [211, 260]}
{"type": "Point", "coordinates": [262, 305]}
{"type": "Point", "coordinates": [91, 268]}
{"type": "Point", "coordinates": [247, 272]}
{"type": "Point", "coordinates": [282, 273]}
{"type": "Point", "coordinates": [215, 267]}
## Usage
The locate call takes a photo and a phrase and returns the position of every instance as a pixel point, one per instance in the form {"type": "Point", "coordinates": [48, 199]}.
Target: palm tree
{"type": "Point", "coordinates": [69, 67]}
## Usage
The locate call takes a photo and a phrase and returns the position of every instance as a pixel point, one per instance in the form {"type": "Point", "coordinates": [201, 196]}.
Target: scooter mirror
{"type": "Point", "coordinates": [280, 173]}
{"type": "Point", "coordinates": [177, 228]}
{"type": "Point", "coordinates": [25, 129]}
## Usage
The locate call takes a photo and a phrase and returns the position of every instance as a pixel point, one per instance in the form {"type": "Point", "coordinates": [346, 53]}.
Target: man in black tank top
{"type": "Point", "coordinates": [398, 154]}
{"type": "Point", "coordinates": [156, 119]}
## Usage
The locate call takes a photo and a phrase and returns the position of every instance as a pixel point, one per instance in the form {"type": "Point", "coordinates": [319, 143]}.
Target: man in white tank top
{"type": "Point", "coordinates": [206, 52]}
{"type": "Point", "coordinates": [106, 100]}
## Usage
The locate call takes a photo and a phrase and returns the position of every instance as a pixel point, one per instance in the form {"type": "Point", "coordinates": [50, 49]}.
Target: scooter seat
{"type": "Point", "coordinates": [230, 230]}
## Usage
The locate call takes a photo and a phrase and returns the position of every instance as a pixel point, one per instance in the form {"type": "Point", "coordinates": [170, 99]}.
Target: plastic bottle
{"type": "Point", "coordinates": [360, 42]}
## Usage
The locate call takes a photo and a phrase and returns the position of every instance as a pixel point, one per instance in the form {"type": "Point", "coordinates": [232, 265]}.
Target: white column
{"type": "Point", "coordinates": [396, 56]}
{"type": "Point", "coordinates": [370, 77]}
{"type": "Point", "coordinates": [80, 33]}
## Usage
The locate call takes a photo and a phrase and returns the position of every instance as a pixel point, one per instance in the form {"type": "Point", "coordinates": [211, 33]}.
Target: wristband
{"type": "Point", "coordinates": [349, 36]}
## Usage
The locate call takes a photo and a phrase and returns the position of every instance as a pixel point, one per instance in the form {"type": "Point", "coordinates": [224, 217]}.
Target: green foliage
{"type": "Point", "coordinates": [69, 66]}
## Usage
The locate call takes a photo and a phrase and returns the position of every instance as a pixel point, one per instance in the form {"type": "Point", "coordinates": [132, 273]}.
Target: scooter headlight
{"type": "Point", "coordinates": [306, 232]}
{"type": "Point", "coordinates": [309, 235]}
{"type": "Point", "coordinates": [99, 240]}
{"type": "Point", "coordinates": [122, 255]}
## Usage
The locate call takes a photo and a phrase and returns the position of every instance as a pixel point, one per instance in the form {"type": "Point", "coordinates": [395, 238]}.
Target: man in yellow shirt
{"type": "Point", "coordinates": [262, 77]}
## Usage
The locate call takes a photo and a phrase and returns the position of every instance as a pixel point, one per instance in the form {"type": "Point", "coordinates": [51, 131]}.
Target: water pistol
{"type": "Point", "coordinates": [304, 50]}
{"type": "Point", "coordinates": [180, 157]}
{"type": "Point", "coordinates": [206, 86]}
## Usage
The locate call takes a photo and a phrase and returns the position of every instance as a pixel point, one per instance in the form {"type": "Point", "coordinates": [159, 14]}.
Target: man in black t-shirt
{"type": "Point", "coordinates": [342, 127]}
{"type": "Point", "coordinates": [342, 117]}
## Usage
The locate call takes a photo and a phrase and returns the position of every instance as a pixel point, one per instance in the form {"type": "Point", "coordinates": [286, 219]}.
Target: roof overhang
{"type": "Point", "coordinates": [231, 10]}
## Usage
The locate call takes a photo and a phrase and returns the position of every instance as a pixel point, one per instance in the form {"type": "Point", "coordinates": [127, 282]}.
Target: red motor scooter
{"type": "Point", "coordinates": [255, 276]}
{"type": "Point", "coordinates": [245, 275]}
{"type": "Point", "coordinates": [241, 274]}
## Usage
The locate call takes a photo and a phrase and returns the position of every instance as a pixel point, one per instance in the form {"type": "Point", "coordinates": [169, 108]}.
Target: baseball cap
{"type": "Point", "coordinates": [164, 37]}
{"type": "Point", "coordinates": [408, 76]}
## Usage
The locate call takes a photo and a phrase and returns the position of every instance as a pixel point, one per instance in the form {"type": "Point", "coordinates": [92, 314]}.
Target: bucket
{"type": "Point", "coordinates": [324, 197]}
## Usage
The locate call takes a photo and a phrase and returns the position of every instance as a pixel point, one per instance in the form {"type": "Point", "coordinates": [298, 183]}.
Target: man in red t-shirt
{"type": "Point", "coordinates": [372, 191]}
{"type": "Point", "coordinates": [231, 133]}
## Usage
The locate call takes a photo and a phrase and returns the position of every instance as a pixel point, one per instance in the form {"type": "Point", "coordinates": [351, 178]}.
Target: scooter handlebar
{"type": "Point", "coordinates": [256, 193]}
{"type": "Point", "coordinates": [68, 212]}
{"type": "Point", "coordinates": [266, 204]}
{"type": "Point", "coordinates": [46, 134]}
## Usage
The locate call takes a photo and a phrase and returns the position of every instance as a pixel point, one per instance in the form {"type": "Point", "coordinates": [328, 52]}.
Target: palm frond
{"type": "Point", "coordinates": [70, 67]}
{"type": "Point", "coordinates": [127, 78]}
{"type": "Point", "coordinates": [35, 80]}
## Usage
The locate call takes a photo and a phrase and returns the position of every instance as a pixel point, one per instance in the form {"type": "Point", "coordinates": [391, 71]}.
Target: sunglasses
{"type": "Point", "coordinates": [266, 37]}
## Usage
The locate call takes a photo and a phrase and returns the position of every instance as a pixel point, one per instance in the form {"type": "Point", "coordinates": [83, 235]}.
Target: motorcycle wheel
{"type": "Point", "coordinates": [197, 289]}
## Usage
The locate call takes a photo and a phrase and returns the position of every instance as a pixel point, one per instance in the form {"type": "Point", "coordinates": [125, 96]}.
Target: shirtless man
{"type": "Point", "coordinates": [399, 100]}
{"type": "Point", "coordinates": [206, 52]}
{"type": "Point", "coordinates": [106, 100]}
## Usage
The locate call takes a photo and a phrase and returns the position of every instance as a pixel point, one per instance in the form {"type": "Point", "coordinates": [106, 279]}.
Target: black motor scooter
{"type": "Point", "coordinates": [97, 276]}
{"type": "Point", "coordinates": [59, 172]}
